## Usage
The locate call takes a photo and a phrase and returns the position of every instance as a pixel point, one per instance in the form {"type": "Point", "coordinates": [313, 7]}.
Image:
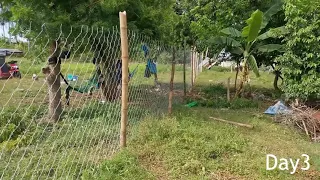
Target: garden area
{"type": "Point", "coordinates": [171, 89]}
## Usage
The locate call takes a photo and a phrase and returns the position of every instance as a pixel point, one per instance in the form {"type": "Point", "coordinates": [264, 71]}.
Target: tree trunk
{"type": "Point", "coordinates": [244, 76]}
{"type": "Point", "coordinates": [171, 82]}
{"type": "Point", "coordinates": [109, 85]}
{"type": "Point", "coordinates": [237, 73]}
{"type": "Point", "coordinates": [184, 70]}
{"type": "Point", "coordinates": [52, 72]}
{"type": "Point", "coordinates": [276, 79]}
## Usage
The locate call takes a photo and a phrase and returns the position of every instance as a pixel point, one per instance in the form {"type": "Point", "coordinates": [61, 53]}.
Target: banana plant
{"type": "Point", "coordinates": [248, 42]}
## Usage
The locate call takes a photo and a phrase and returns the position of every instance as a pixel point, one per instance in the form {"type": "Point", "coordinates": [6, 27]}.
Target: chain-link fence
{"type": "Point", "coordinates": [42, 138]}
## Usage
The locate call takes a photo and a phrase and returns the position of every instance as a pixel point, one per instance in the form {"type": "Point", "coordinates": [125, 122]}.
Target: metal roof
{"type": "Point", "coordinates": [10, 50]}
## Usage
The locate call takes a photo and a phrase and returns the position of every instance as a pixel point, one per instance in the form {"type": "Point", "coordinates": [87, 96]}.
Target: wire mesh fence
{"type": "Point", "coordinates": [89, 83]}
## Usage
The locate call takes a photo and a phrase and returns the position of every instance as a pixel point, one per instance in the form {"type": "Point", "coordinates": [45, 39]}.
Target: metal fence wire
{"type": "Point", "coordinates": [89, 80]}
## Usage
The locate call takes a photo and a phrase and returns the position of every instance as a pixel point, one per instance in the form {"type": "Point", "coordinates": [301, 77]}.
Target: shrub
{"type": "Point", "coordinates": [300, 63]}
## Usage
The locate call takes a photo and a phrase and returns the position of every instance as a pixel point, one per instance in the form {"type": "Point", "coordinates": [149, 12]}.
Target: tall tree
{"type": "Point", "coordinates": [148, 17]}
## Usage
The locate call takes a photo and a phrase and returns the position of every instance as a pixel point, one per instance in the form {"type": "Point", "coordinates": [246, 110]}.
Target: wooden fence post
{"type": "Point", "coordinates": [184, 69]}
{"type": "Point", "coordinates": [52, 72]}
{"type": "Point", "coordinates": [125, 78]}
{"type": "Point", "coordinates": [192, 66]}
{"type": "Point", "coordinates": [228, 89]}
{"type": "Point", "coordinates": [171, 80]}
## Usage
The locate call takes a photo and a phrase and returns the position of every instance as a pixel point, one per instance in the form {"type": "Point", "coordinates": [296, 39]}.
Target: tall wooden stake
{"type": "Point", "coordinates": [184, 69]}
{"type": "Point", "coordinates": [52, 72]}
{"type": "Point", "coordinates": [192, 66]}
{"type": "Point", "coordinates": [228, 89]}
{"type": "Point", "coordinates": [125, 78]}
{"type": "Point", "coordinates": [171, 81]}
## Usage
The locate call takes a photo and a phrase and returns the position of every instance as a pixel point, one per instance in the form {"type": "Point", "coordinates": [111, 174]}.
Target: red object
{"type": "Point", "coordinates": [5, 71]}
{"type": "Point", "coordinates": [9, 70]}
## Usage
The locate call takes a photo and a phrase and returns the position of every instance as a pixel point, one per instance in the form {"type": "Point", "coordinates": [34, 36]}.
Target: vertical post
{"type": "Point", "coordinates": [228, 89]}
{"type": "Point", "coordinates": [52, 72]}
{"type": "Point", "coordinates": [184, 69]}
{"type": "Point", "coordinates": [125, 78]}
{"type": "Point", "coordinates": [171, 80]}
{"type": "Point", "coordinates": [194, 65]}
{"type": "Point", "coordinates": [192, 68]}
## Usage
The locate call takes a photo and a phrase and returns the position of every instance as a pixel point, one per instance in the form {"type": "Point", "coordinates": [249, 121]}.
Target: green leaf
{"type": "Point", "coordinates": [274, 9]}
{"type": "Point", "coordinates": [236, 50]}
{"type": "Point", "coordinates": [273, 33]}
{"type": "Point", "coordinates": [225, 41]}
{"type": "Point", "coordinates": [253, 64]}
{"type": "Point", "coordinates": [231, 31]}
{"type": "Point", "coordinates": [270, 48]}
{"type": "Point", "coordinates": [251, 31]}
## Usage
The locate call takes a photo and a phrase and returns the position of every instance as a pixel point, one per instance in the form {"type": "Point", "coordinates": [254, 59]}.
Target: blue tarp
{"type": "Point", "coordinates": [278, 108]}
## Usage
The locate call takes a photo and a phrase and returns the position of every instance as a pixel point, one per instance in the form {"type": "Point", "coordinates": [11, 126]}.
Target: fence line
{"type": "Point", "coordinates": [86, 130]}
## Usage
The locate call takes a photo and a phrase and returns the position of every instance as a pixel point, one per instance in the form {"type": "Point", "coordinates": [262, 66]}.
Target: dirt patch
{"type": "Point", "coordinates": [225, 175]}
{"type": "Point", "coordinates": [154, 165]}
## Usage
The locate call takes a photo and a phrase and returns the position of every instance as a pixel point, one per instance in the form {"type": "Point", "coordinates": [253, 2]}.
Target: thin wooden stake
{"type": "Point", "coordinates": [125, 78]}
{"type": "Point", "coordinates": [192, 68]}
{"type": "Point", "coordinates": [171, 81]}
{"type": "Point", "coordinates": [184, 70]}
{"type": "Point", "coordinates": [228, 89]}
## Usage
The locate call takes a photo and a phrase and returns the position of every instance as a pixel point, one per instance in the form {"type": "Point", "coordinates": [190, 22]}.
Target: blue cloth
{"type": "Point", "coordinates": [278, 108]}
{"type": "Point", "coordinates": [152, 66]}
{"type": "Point", "coordinates": [145, 50]}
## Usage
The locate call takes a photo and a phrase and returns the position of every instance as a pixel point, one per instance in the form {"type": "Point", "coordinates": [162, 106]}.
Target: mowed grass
{"type": "Point", "coordinates": [190, 145]}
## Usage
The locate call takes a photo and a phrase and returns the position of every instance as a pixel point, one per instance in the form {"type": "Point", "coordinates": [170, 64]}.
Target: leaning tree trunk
{"type": "Point", "coordinates": [52, 72]}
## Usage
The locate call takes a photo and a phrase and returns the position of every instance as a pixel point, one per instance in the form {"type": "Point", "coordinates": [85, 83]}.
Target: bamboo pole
{"type": "Point", "coordinates": [125, 78]}
{"type": "Point", "coordinates": [192, 68]}
{"type": "Point", "coordinates": [232, 122]}
{"type": "Point", "coordinates": [228, 89]}
{"type": "Point", "coordinates": [171, 81]}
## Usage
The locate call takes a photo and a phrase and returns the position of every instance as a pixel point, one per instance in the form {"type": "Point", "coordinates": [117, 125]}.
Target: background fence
{"type": "Point", "coordinates": [88, 128]}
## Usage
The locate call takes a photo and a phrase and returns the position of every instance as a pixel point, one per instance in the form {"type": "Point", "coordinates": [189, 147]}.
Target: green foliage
{"type": "Point", "coordinates": [215, 97]}
{"type": "Point", "coordinates": [300, 63]}
{"type": "Point", "coordinates": [252, 29]}
{"type": "Point", "coordinates": [149, 17]}
{"type": "Point", "coordinates": [123, 166]}
{"type": "Point", "coordinates": [253, 64]}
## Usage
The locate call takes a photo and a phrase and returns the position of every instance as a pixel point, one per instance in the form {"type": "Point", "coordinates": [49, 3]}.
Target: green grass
{"type": "Point", "coordinates": [89, 131]}
{"type": "Point", "coordinates": [190, 145]}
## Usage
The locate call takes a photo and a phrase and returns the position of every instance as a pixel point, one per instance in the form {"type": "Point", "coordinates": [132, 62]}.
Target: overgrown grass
{"type": "Point", "coordinates": [190, 145]}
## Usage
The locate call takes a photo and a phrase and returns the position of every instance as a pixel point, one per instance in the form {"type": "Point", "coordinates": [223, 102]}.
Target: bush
{"type": "Point", "coordinates": [300, 63]}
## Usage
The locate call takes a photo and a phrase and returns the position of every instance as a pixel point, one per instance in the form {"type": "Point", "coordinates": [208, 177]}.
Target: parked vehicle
{"type": "Point", "coordinates": [8, 69]}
